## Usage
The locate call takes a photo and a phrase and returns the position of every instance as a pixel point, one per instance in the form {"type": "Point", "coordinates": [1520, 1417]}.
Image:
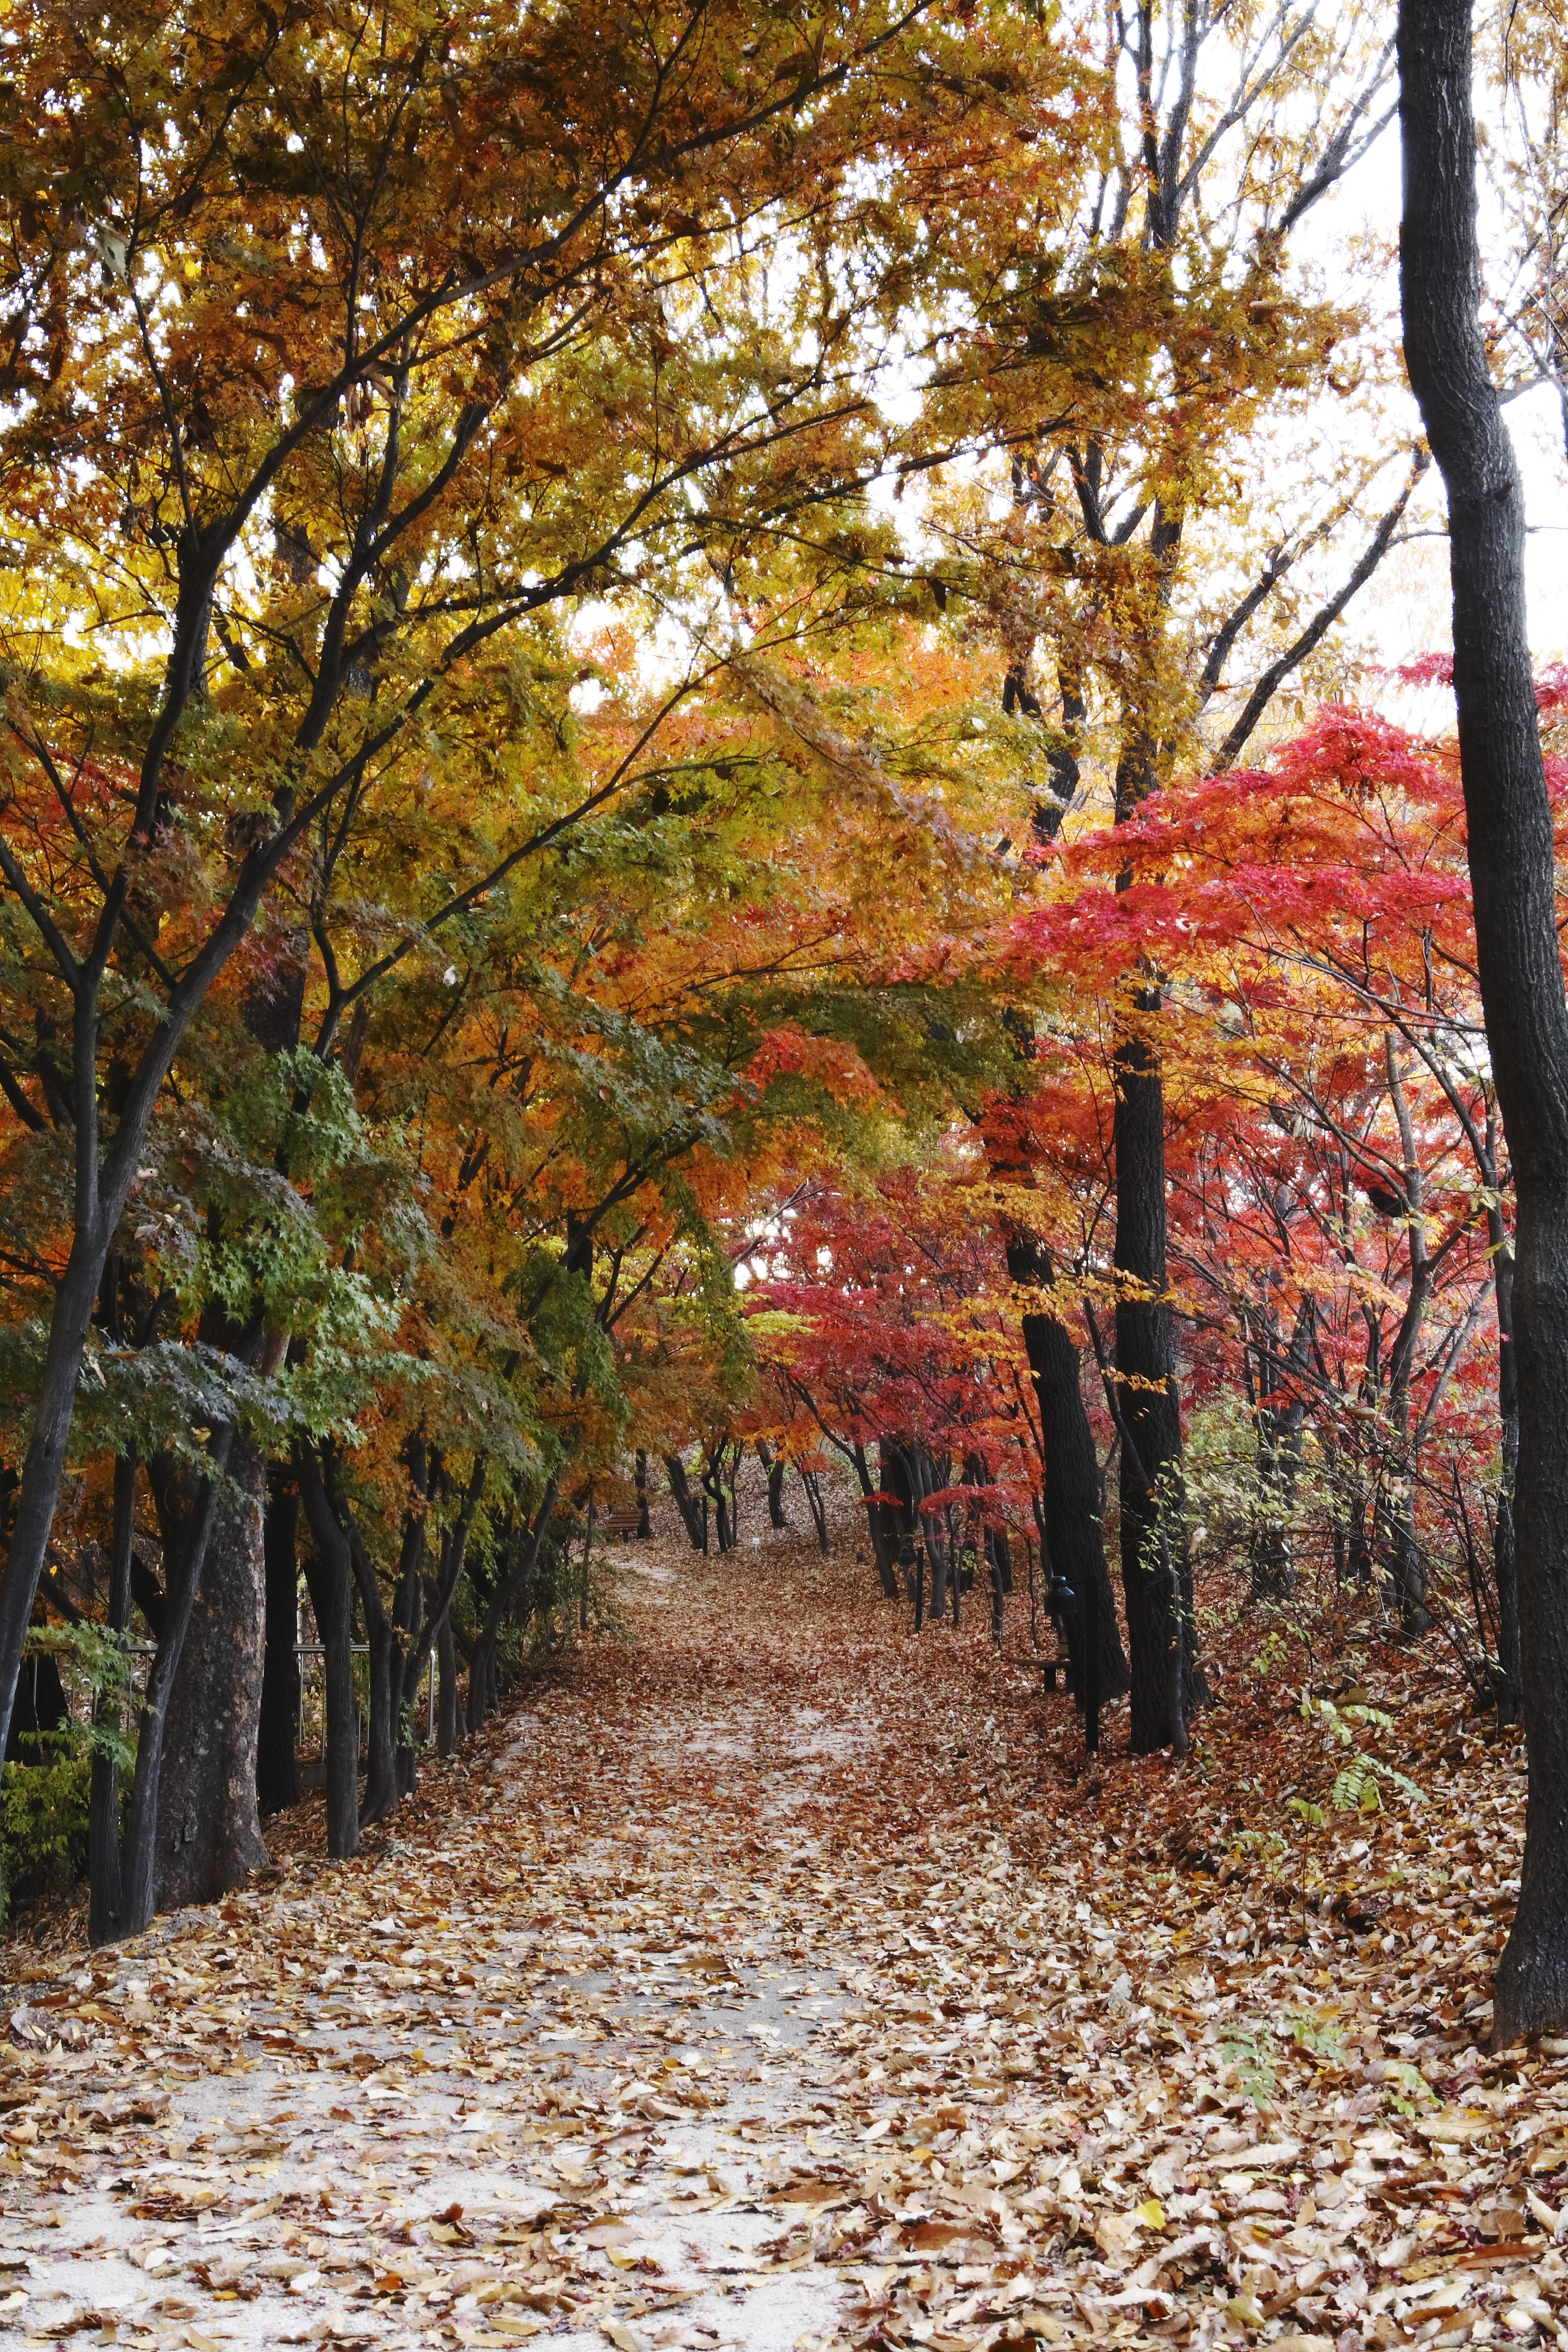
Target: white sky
{"type": "Point", "coordinates": [1406, 610]}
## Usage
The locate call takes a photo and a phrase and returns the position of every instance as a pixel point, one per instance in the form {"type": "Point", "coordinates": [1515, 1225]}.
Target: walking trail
{"type": "Point", "coordinates": [772, 1979]}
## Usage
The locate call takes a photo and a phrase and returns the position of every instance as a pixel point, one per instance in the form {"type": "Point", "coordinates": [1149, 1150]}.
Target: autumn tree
{"type": "Point", "coordinates": [1512, 867]}
{"type": "Point", "coordinates": [1139, 340]}
{"type": "Point", "coordinates": [339, 370]}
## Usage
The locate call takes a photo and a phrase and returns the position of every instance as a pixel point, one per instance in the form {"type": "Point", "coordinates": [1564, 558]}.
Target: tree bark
{"type": "Point", "coordinates": [277, 1766]}
{"type": "Point", "coordinates": [876, 1522]}
{"type": "Point", "coordinates": [185, 1562]}
{"type": "Point", "coordinates": [330, 1580]}
{"type": "Point", "coordinates": [1513, 873]}
{"type": "Point", "coordinates": [209, 1828]}
{"type": "Point", "coordinates": [1505, 1553]}
{"type": "Point", "coordinates": [1156, 1573]}
{"type": "Point", "coordinates": [694, 1518]}
{"type": "Point", "coordinates": [446, 1689]}
{"type": "Point", "coordinates": [105, 1897]}
{"type": "Point", "coordinates": [774, 1465]}
{"type": "Point", "coordinates": [1073, 1536]}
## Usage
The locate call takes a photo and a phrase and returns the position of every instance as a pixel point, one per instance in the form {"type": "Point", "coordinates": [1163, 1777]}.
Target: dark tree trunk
{"type": "Point", "coordinates": [1505, 1560]}
{"type": "Point", "coordinates": [1513, 875]}
{"type": "Point", "coordinates": [277, 1766]}
{"type": "Point", "coordinates": [209, 1830]}
{"type": "Point", "coordinates": [105, 1900]}
{"type": "Point", "coordinates": [446, 1689]}
{"type": "Point", "coordinates": [330, 1580]}
{"type": "Point", "coordinates": [187, 1527]}
{"type": "Point", "coordinates": [877, 1524]}
{"type": "Point", "coordinates": [644, 1516]}
{"type": "Point", "coordinates": [775, 1465]}
{"type": "Point", "coordinates": [1073, 1537]}
{"type": "Point", "coordinates": [811, 1484]}
{"type": "Point", "coordinates": [40, 1707]}
{"type": "Point", "coordinates": [381, 1777]}
{"type": "Point", "coordinates": [514, 1590]}
{"type": "Point", "coordinates": [1279, 1417]}
{"type": "Point", "coordinates": [1156, 1575]}
{"type": "Point", "coordinates": [693, 1512]}
{"type": "Point", "coordinates": [720, 1466]}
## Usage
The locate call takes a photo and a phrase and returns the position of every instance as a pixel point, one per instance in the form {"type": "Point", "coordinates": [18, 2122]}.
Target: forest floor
{"type": "Point", "coordinates": [772, 1978]}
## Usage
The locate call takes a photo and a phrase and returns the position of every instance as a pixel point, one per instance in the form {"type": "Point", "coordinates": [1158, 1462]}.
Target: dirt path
{"type": "Point", "coordinates": [777, 1981]}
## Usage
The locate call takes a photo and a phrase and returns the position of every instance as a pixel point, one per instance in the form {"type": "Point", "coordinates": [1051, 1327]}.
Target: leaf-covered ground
{"type": "Point", "coordinates": [781, 1979]}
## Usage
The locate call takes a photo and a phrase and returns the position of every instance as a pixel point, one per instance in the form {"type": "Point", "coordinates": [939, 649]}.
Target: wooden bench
{"type": "Point", "coordinates": [618, 1523]}
{"type": "Point", "coordinates": [1049, 1669]}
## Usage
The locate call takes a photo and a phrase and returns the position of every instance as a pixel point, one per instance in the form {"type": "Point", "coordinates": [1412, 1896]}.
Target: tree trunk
{"type": "Point", "coordinates": [694, 1517]}
{"type": "Point", "coordinates": [881, 1549]}
{"type": "Point", "coordinates": [33, 1515]}
{"type": "Point", "coordinates": [1505, 1559]}
{"type": "Point", "coordinates": [209, 1830]}
{"type": "Point", "coordinates": [330, 1580]}
{"type": "Point", "coordinates": [1279, 1418]}
{"type": "Point", "coordinates": [775, 1465]}
{"type": "Point", "coordinates": [810, 1483]}
{"type": "Point", "coordinates": [277, 1766]}
{"type": "Point", "coordinates": [1073, 1536]}
{"type": "Point", "coordinates": [1512, 872]}
{"type": "Point", "coordinates": [105, 1898]}
{"type": "Point", "coordinates": [187, 1534]}
{"type": "Point", "coordinates": [644, 1516]}
{"type": "Point", "coordinates": [446, 1689]}
{"type": "Point", "coordinates": [1156, 1574]}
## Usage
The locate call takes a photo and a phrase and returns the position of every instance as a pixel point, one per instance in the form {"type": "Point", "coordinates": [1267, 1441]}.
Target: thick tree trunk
{"type": "Point", "coordinates": [276, 1765]}
{"type": "Point", "coordinates": [1156, 1574]}
{"type": "Point", "coordinates": [1513, 875]}
{"type": "Point", "coordinates": [209, 1830]}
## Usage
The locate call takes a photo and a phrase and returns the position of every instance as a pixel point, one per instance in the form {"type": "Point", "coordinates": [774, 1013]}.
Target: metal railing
{"type": "Point", "coordinates": [317, 1650]}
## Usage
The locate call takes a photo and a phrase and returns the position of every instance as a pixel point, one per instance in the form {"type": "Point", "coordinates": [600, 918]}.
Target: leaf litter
{"type": "Point", "coordinates": [777, 1979]}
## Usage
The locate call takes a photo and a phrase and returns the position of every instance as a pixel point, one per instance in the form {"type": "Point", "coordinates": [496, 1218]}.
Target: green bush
{"type": "Point", "coordinates": [43, 1821]}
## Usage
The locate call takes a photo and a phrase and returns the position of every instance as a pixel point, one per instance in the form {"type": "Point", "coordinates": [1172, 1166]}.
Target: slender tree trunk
{"type": "Point", "coordinates": [330, 1580]}
{"type": "Point", "coordinates": [513, 1587]}
{"type": "Point", "coordinates": [644, 1516]}
{"type": "Point", "coordinates": [810, 1483]}
{"type": "Point", "coordinates": [1513, 875]}
{"type": "Point", "coordinates": [1505, 1559]}
{"type": "Point", "coordinates": [276, 1765]}
{"type": "Point", "coordinates": [209, 1830]}
{"type": "Point", "coordinates": [105, 1899]}
{"type": "Point", "coordinates": [381, 1789]}
{"type": "Point", "coordinates": [43, 1466]}
{"type": "Point", "coordinates": [446, 1690]}
{"type": "Point", "coordinates": [881, 1549]}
